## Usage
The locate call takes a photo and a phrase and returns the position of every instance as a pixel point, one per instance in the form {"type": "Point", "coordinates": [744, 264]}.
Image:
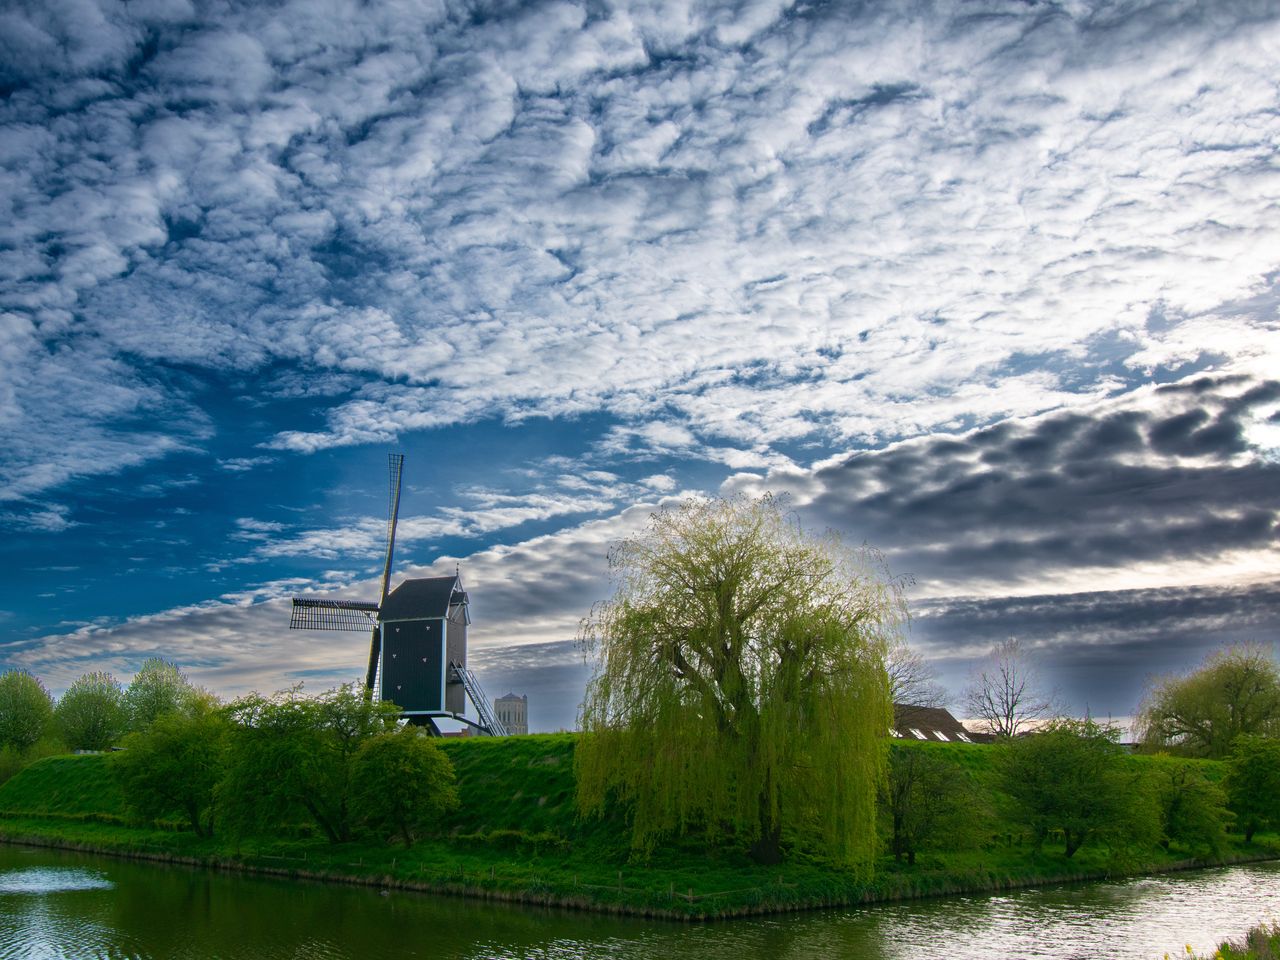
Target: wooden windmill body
{"type": "Point", "coordinates": [418, 644]}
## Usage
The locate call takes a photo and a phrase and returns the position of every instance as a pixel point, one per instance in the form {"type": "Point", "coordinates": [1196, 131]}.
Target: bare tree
{"type": "Point", "coordinates": [911, 679]}
{"type": "Point", "coordinates": [1004, 694]}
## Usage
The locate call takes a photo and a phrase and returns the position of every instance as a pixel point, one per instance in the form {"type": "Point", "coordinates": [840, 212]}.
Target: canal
{"type": "Point", "coordinates": [56, 904]}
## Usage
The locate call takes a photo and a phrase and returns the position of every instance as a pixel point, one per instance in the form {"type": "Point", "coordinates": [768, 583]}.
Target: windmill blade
{"type": "Point", "coordinates": [313, 613]}
{"type": "Point", "coordinates": [395, 463]}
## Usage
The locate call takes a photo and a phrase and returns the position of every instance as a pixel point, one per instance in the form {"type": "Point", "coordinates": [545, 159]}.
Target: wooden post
{"type": "Point", "coordinates": [619, 881]}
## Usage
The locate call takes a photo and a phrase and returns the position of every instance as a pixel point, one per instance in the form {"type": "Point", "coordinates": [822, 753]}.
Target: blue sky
{"type": "Point", "coordinates": [989, 285]}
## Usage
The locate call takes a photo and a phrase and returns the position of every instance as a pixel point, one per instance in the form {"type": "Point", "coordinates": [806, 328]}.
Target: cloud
{"type": "Point", "coordinates": [527, 601]}
{"type": "Point", "coordinates": [482, 511]}
{"type": "Point", "coordinates": [1153, 487]}
{"type": "Point", "coordinates": [744, 225]}
{"type": "Point", "coordinates": [1110, 553]}
{"type": "Point", "coordinates": [1102, 648]}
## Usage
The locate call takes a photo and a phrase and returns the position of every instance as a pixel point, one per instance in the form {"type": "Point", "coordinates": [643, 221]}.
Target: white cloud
{"type": "Point", "coordinates": [729, 225]}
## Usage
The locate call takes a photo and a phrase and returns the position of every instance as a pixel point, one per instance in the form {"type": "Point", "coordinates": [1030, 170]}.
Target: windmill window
{"type": "Point", "coordinates": [941, 736]}
{"type": "Point", "coordinates": [964, 737]}
{"type": "Point", "coordinates": [918, 734]}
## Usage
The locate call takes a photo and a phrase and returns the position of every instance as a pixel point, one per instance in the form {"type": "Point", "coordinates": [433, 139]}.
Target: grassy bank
{"type": "Point", "coordinates": [516, 836]}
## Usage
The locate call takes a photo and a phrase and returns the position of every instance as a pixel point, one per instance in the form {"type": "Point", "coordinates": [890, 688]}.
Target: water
{"type": "Point", "coordinates": [64, 905]}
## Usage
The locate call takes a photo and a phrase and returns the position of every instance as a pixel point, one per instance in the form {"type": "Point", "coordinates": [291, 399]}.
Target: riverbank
{"type": "Point", "coordinates": [516, 838]}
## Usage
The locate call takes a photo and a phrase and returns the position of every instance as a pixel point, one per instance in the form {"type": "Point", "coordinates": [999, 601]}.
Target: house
{"type": "Point", "coordinates": [931, 723]}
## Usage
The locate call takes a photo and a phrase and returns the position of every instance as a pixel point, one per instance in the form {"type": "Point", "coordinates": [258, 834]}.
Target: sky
{"type": "Point", "coordinates": [989, 285]}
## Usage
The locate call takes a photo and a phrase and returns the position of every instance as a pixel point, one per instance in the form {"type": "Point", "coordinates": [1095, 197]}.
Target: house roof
{"type": "Point", "coordinates": [426, 598]}
{"type": "Point", "coordinates": [931, 723]}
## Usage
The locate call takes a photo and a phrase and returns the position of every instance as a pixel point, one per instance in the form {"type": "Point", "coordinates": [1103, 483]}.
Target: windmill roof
{"type": "Point", "coordinates": [421, 599]}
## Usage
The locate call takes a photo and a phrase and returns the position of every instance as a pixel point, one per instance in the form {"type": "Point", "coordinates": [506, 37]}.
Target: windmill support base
{"type": "Point", "coordinates": [427, 718]}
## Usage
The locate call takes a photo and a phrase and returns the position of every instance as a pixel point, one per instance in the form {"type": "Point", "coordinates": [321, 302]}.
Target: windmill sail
{"type": "Point", "coordinates": [395, 462]}
{"type": "Point", "coordinates": [321, 614]}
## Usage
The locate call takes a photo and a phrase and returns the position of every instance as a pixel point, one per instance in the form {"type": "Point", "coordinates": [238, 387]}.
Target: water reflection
{"type": "Point", "coordinates": [37, 880]}
{"type": "Point", "coordinates": [54, 904]}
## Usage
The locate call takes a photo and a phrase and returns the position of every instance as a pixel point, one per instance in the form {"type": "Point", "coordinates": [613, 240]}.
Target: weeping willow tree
{"type": "Point", "coordinates": [739, 684]}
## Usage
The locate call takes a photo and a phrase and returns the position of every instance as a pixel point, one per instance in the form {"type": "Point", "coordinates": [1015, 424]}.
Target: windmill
{"type": "Point", "coordinates": [418, 645]}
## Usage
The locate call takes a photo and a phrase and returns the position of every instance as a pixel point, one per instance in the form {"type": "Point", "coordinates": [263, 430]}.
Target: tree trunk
{"type": "Point", "coordinates": [1073, 841]}
{"type": "Point", "coordinates": [767, 848]}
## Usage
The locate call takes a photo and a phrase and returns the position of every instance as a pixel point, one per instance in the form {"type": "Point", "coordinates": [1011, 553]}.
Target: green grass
{"type": "Point", "coordinates": [77, 787]}
{"type": "Point", "coordinates": [517, 835]}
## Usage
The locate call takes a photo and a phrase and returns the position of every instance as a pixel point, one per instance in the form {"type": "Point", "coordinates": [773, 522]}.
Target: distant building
{"type": "Point", "coordinates": [931, 723]}
{"type": "Point", "coordinates": [513, 713]}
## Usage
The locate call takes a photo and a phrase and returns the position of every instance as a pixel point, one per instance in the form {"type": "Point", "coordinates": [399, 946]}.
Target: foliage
{"type": "Point", "coordinates": [25, 710]}
{"type": "Point", "coordinates": [929, 801]}
{"type": "Point", "coordinates": [90, 715]}
{"type": "Point", "coordinates": [515, 835]}
{"type": "Point", "coordinates": [174, 767]}
{"type": "Point", "coordinates": [292, 754]}
{"type": "Point", "coordinates": [1253, 784]}
{"type": "Point", "coordinates": [1193, 808]}
{"type": "Point", "coordinates": [1004, 695]}
{"type": "Point", "coordinates": [1235, 691]}
{"type": "Point", "coordinates": [1260, 943]}
{"type": "Point", "coordinates": [739, 683]}
{"type": "Point", "coordinates": [1072, 776]}
{"type": "Point", "coordinates": [157, 689]}
{"type": "Point", "coordinates": [404, 783]}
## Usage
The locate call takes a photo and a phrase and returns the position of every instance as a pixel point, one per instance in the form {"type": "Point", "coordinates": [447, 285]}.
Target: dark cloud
{"type": "Point", "coordinates": [1099, 649]}
{"type": "Point", "coordinates": [1155, 480]}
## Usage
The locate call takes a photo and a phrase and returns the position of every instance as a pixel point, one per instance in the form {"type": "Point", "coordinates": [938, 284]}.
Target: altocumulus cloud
{"type": "Point", "coordinates": [763, 224]}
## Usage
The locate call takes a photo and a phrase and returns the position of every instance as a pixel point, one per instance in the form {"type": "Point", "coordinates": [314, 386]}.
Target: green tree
{"type": "Point", "coordinates": [404, 783]}
{"type": "Point", "coordinates": [739, 683]}
{"type": "Point", "coordinates": [928, 801]}
{"type": "Point", "coordinates": [90, 715]}
{"type": "Point", "coordinates": [26, 710]}
{"type": "Point", "coordinates": [1193, 808]}
{"type": "Point", "coordinates": [157, 689]}
{"type": "Point", "coordinates": [1072, 776]}
{"type": "Point", "coordinates": [1253, 784]}
{"type": "Point", "coordinates": [174, 767]}
{"type": "Point", "coordinates": [1236, 691]}
{"type": "Point", "coordinates": [291, 753]}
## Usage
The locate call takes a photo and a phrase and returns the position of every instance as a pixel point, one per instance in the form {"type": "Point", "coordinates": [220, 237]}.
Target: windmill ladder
{"type": "Point", "coordinates": [483, 708]}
